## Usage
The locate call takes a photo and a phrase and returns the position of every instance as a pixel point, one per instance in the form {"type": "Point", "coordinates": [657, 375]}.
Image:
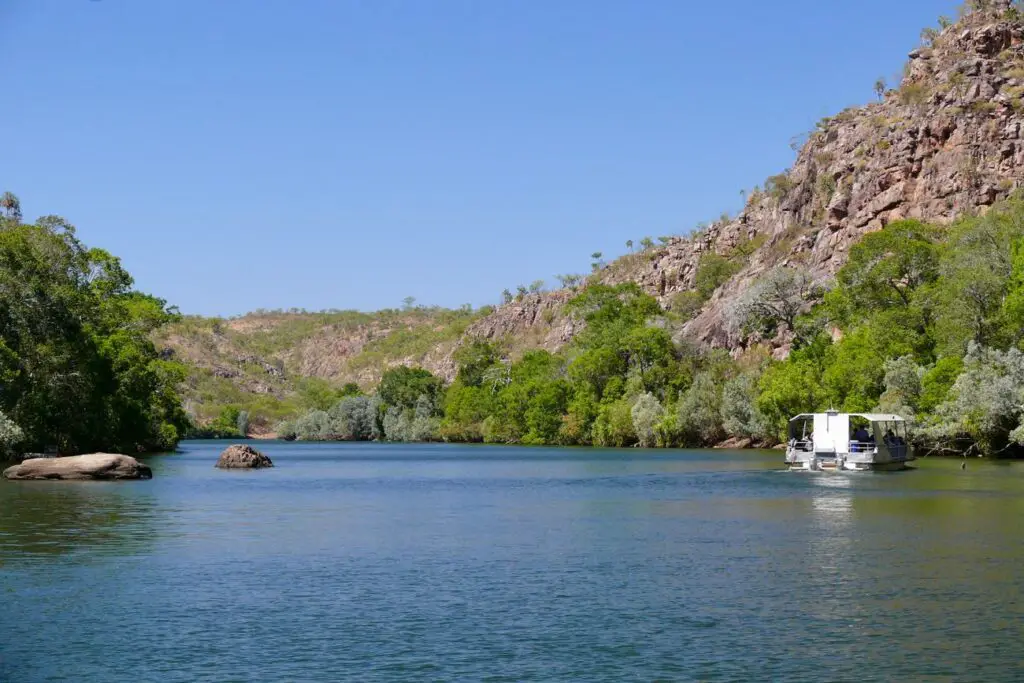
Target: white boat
{"type": "Point", "coordinates": [848, 441]}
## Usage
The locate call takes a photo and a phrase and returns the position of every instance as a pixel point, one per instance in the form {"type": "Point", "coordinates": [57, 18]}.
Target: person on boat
{"type": "Point", "coordinates": [862, 438]}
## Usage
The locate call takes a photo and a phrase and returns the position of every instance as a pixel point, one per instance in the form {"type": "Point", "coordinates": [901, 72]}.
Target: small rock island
{"type": "Point", "coordinates": [239, 456]}
{"type": "Point", "coordinates": [92, 466]}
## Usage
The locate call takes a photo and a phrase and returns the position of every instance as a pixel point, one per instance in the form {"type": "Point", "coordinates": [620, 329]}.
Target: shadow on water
{"type": "Point", "coordinates": [44, 519]}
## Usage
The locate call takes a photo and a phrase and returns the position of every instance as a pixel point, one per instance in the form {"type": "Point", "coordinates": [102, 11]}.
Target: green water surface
{"type": "Point", "coordinates": [373, 562]}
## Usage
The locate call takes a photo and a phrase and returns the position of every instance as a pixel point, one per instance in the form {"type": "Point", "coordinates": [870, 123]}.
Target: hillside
{"type": "Point", "coordinates": [945, 143]}
{"type": "Point", "coordinates": [275, 363]}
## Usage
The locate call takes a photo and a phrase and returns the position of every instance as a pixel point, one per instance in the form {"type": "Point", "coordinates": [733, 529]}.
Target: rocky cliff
{"type": "Point", "coordinates": [945, 142]}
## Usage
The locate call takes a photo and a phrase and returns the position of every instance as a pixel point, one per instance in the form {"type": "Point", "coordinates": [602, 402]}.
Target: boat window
{"type": "Point", "coordinates": [862, 434]}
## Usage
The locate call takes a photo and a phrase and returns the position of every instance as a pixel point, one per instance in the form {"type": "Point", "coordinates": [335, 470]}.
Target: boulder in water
{"type": "Point", "coordinates": [240, 456]}
{"type": "Point", "coordinates": [81, 467]}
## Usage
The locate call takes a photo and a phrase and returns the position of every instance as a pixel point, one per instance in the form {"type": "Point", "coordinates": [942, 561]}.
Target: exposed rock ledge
{"type": "Point", "coordinates": [97, 466]}
{"type": "Point", "coordinates": [240, 456]}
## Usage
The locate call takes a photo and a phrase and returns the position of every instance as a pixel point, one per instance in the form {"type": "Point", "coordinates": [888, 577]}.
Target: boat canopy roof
{"type": "Point", "coordinates": [870, 417]}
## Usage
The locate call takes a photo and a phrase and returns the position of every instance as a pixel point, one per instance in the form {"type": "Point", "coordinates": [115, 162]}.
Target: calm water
{"type": "Point", "coordinates": [462, 563]}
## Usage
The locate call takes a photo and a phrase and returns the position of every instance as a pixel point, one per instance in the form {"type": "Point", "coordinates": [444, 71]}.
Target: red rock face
{"type": "Point", "coordinates": [946, 142]}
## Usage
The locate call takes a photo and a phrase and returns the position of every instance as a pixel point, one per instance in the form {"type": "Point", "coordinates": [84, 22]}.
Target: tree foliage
{"type": "Point", "coordinates": [77, 366]}
{"type": "Point", "coordinates": [713, 271]}
{"type": "Point", "coordinates": [774, 301]}
{"type": "Point", "coordinates": [925, 321]}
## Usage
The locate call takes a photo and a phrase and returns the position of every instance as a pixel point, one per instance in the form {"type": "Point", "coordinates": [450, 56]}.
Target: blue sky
{"type": "Point", "coordinates": [349, 153]}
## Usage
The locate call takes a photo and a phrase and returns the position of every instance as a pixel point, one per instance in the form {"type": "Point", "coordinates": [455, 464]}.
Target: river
{"type": "Point", "coordinates": [380, 562]}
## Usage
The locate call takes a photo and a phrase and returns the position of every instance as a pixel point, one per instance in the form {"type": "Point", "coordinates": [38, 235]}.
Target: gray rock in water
{"type": "Point", "coordinates": [81, 467]}
{"type": "Point", "coordinates": [239, 456]}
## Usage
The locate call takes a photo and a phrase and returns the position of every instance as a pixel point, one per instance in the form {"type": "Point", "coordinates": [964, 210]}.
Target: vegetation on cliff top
{"type": "Point", "coordinates": [275, 364]}
{"type": "Point", "coordinates": [924, 320]}
{"type": "Point", "coordinates": [256, 370]}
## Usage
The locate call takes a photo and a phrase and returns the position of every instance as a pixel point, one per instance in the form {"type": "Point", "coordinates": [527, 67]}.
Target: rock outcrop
{"type": "Point", "coordinates": [94, 466]}
{"type": "Point", "coordinates": [239, 456]}
{"type": "Point", "coordinates": [948, 141]}
{"type": "Point", "coordinates": [535, 320]}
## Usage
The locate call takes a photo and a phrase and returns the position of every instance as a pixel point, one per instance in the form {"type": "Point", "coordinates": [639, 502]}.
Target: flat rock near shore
{"type": "Point", "coordinates": [93, 466]}
{"type": "Point", "coordinates": [239, 456]}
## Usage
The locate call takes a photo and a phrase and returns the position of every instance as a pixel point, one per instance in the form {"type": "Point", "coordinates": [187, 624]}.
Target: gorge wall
{"type": "Point", "coordinates": [945, 142]}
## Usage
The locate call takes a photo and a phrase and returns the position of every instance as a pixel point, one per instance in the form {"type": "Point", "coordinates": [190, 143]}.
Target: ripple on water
{"type": "Point", "coordinates": [507, 566]}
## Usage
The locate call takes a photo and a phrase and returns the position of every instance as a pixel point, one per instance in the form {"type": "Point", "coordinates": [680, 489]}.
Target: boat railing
{"type": "Point", "coordinates": [862, 446]}
{"type": "Point", "coordinates": [897, 450]}
{"type": "Point", "coordinates": [801, 445]}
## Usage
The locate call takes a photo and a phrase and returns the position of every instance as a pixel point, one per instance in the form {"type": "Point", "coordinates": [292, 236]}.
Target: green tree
{"type": "Point", "coordinates": [775, 300]}
{"type": "Point", "coordinates": [902, 393]}
{"type": "Point", "coordinates": [570, 281]}
{"type": "Point", "coordinates": [854, 372]}
{"type": "Point", "coordinates": [699, 418]}
{"type": "Point", "coordinates": [888, 267]}
{"type": "Point", "coordinates": [10, 206]}
{"type": "Point", "coordinates": [578, 422]}
{"type": "Point", "coordinates": [937, 381]}
{"type": "Point", "coordinates": [350, 389]}
{"type": "Point", "coordinates": [647, 413]}
{"type": "Point", "coordinates": [77, 363]}
{"type": "Point", "coordinates": [614, 424]}
{"type": "Point", "coordinates": [474, 359]}
{"type": "Point", "coordinates": [712, 272]}
{"type": "Point", "coordinates": [793, 387]}
{"type": "Point", "coordinates": [316, 393]}
{"type": "Point", "coordinates": [401, 387]}
{"type": "Point", "coordinates": [880, 88]}
{"type": "Point", "coordinates": [593, 368]}
{"type": "Point", "coordinates": [984, 404]}
{"type": "Point", "coordinates": [740, 415]}
{"type": "Point", "coordinates": [355, 418]}
{"type": "Point", "coordinates": [465, 409]}
{"type": "Point", "coordinates": [10, 436]}
{"type": "Point", "coordinates": [976, 277]}
{"type": "Point", "coordinates": [547, 404]}
{"type": "Point", "coordinates": [611, 312]}
{"type": "Point", "coordinates": [650, 354]}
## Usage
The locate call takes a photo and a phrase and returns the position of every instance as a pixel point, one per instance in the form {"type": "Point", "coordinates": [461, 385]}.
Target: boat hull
{"type": "Point", "coordinates": [848, 467]}
{"type": "Point", "coordinates": [807, 462]}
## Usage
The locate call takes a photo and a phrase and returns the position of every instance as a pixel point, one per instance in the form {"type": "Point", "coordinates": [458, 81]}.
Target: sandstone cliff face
{"type": "Point", "coordinates": [536, 320]}
{"type": "Point", "coordinates": [946, 142]}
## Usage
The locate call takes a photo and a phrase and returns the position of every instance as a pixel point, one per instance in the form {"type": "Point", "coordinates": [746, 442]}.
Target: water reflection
{"type": "Point", "coordinates": [39, 519]}
{"type": "Point", "coordinates": [831, 524]}
{"type": "Point", "coordinates": [612, 567]}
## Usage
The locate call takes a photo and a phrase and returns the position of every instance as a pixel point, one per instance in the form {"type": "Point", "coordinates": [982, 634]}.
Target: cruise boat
{"type": "Point", "coordinates": [848, 441]}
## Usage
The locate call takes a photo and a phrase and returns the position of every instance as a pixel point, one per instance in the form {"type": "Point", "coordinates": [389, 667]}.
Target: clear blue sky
{"type": "Point", "coordinates": [345, 154]}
